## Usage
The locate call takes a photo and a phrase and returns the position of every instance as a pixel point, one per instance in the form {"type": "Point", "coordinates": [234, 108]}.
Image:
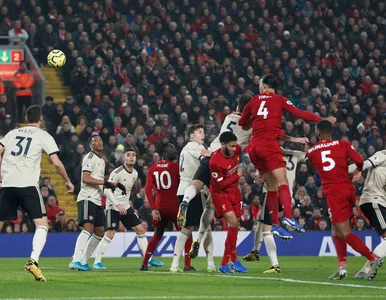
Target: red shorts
{"type": "Point", "coordinates": [340, 204]}
{"type": "Point", "coordinates": [266, 155]}
{"type": "Point", "coordinates": [166, 217]}
{"type": "Point", "coordinates": [224, 203]}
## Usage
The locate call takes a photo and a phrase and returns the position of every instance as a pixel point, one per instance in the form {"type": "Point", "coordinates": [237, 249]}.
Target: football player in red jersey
{"type": "Point", "coordinates": [163, 178]}
{"type": "Point", "coordinates": [330, 159]}
{"type": "Point", "coordinates": [226, 196]}
{"type": "Point", "coordinates": [264, 113]}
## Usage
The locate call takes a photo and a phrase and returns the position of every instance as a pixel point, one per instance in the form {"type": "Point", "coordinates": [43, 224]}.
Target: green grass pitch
{"type": "Point", "coordinates": [301, 278]}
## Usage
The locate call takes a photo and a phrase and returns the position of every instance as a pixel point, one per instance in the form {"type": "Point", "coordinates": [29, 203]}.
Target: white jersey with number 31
{"type": "Point", "coordinates": [22, 155]}
{"type": "Point", "coordinates": [292, 157]}
{"type": "Point", "coordinates": [231, 124]}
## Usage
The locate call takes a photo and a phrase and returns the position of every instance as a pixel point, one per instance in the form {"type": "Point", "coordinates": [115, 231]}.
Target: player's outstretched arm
{"type": "Point", "coordinates": [62, 171]}
{"type": "Point", "coordinates": [300, 140]}
{"type": "Point", "coordinates": [304, 115]}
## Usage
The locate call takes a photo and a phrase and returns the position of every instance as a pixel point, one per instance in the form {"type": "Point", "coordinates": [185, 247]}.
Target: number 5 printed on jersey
{"type": "Point", "coordinates": [327, 160]}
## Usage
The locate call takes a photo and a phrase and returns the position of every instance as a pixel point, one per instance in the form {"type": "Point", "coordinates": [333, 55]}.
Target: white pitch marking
{"type": "Point", "coordinates": [214, 297]}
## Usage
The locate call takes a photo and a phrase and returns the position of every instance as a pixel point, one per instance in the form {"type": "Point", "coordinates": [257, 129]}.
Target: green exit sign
{"type": "Point", "coordinates": [5, 56]}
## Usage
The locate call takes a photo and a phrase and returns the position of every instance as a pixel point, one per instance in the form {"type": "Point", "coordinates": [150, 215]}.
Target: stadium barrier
{"type": "Point", "coordinates": [125, 244]}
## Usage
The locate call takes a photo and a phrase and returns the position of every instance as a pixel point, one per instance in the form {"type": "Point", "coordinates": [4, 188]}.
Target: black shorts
{"type": "Point", "coordinates": [89, 212]}
{"type": "Point", "coordinates": [195, 210]}
{"type": "Point", "coordinates": [28, 198]}
{"type": "Point", "coordinates": [376, 214]}
{"type": "Point", "coordinates": [129, 220]}
{"type": "Point", "coordinates": [203, 172]}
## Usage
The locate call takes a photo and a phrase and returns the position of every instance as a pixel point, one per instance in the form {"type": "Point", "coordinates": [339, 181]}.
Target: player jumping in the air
{"type": "Point", "coordinates": [330, 159]}
{"type": "Point", "coordinates": [264, 113]}
{"type": "Point", "coordinates": [189, 162]}
{"type": "Point", "coordinates": [202, 178]}
{"type": "Point", "coordinates": [265, 226]}
{"type": "Point", "coordinates": [163, 178]}
{"type": "Point", "coordinates": [119, 209]}
{"type": "Point", "coordinates": [226, 196]}
{"type": "Point", "coordinates": [20, 156]}
{"type": "Point", "coordinates": [373, 204]}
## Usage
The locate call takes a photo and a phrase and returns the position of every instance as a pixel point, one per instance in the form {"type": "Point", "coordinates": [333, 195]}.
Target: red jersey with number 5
{"type": "Point", "coordinates": [330, 159]}
{"type": "Point", "coordinates": [223, 169]}
{"type": "Point", "coordinates": [265, 113]}
{"type": "Point", "coordinates": [163, 178]}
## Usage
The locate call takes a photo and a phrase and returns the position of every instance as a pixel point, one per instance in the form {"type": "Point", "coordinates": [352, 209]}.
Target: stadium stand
{"type": "Point", "coordinates": [140, 72]}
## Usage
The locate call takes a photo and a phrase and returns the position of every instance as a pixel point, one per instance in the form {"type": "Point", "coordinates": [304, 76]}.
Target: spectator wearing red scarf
{"type": "Point", "coordinates": [17, 34]}
{"type": "Point", "coordinates": [52, 208]}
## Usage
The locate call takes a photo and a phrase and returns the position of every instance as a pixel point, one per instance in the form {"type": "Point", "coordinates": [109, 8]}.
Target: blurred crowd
{"type": "Point", "coordinates": [141, 72]}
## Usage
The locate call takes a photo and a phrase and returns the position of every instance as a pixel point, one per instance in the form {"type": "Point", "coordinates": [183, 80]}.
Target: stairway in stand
{"type": "Point", "coordinates": [56, 89]}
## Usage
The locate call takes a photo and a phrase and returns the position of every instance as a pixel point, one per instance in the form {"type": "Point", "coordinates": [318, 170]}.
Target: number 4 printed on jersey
{"type": "Point", "coordinates": [263, 111]}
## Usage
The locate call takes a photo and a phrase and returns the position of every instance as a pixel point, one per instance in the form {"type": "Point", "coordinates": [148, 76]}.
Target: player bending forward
{"type": "Point", "coordinates": [119, 209]}
{"type": "Point", "coordinates": [265, 112]}
{"type": "Point", "coordinates": [265, 227]}
{"type": "Point", "coordinates": [373, 204]}
{"type": "Point", "coordinates": [330, 159]}
{"type": "Point", "coordinates": [20, 156]}
{"type": "Point", "coordinates": [226, 196]}
{"type": "Point", "coordinates": [163, 178]}
{"type": "Point", "coordinates": [189, 162]}
{"type": "Point", "coordinates": [90, 212]}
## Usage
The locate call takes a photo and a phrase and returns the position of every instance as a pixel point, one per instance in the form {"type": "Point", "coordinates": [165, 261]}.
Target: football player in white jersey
{"type": "Point", "coordinates": [20, 156]}
{"type": "Point", "coordinates": [190, 158]}
{"type": "Point", "coordinates": [90, 212]}
{"type": "Point", "coordinates": [266, 226]}
{"type": "Point", "coordinates": [373, 204]}
{"type": "Point", "coordinates": [118, 208]}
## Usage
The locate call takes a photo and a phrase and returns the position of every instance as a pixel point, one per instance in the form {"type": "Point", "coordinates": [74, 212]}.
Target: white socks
{"type": "Point", "coordinates": [190, 193]}
{"type": "Point", "coordinates": [179, 247]}
{"type": "Point", "coordinates": [209, 247]}
{"type": "Point", "coordinates": [104, 244]}
{"type": "Point", "coordinates": [206, 219]}
{"type": "Point", "coordinates": [80, 245]}
{"type": "Point", "coordinates": [91, 245]}
{"type": "Point", "coordinates": [270, 247]}
{"type": "Point", "coordinates": [380, 250]}
{"type": "Point", "coordinates": [142, 243]}
{"type": "Point", "coordinates": [38, 242]}
{"type": "Point", "coordinates": [258, 237]}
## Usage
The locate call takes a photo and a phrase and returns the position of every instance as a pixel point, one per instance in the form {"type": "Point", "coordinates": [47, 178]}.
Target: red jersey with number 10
{"type": "Point", "coordinates": [164, 178]}
{"type": "Point", "coordinates": [265, 113]}
{"type": "Point", "coordinates": [330, 159]}
{"type": "Point", "coordinates": [223, 169]}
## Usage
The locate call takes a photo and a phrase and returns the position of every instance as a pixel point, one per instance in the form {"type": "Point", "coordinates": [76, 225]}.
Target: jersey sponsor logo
{"type": "Point", "coordinates": [214, 175]}
{"type": "Point", "coordinates": [264, 97]}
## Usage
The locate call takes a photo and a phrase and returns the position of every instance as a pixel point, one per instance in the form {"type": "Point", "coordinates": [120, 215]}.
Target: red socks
{"type": "Point", "coordinates": [273, 206]}
{"type": "Point", "coordinates": [232, 240]}
{"type": "Point", "coordinates": [341, 250]}
{"type": "Point", "coordinates": [230, 246]}
{"type": "Point", "coordinates": [225, 257]}
{"type": "Point", "coordinates": [358, 245]}
{"type": "Point", "coordinates": [285, 200]}
{"type": "Point", "coordinates": [151, 247]}
{"type": "Point", "coordinates": [188, 246]}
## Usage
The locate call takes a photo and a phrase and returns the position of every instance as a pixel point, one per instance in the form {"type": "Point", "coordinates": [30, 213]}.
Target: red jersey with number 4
{"type": "Point", "coordinates": [163, 178]}
{"type": "Point", "coordinates": [330, 159]}
{"type": "Point", "coordinates": [265, 113]}
{"type": "Point", "coordinates": [223, 169]}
